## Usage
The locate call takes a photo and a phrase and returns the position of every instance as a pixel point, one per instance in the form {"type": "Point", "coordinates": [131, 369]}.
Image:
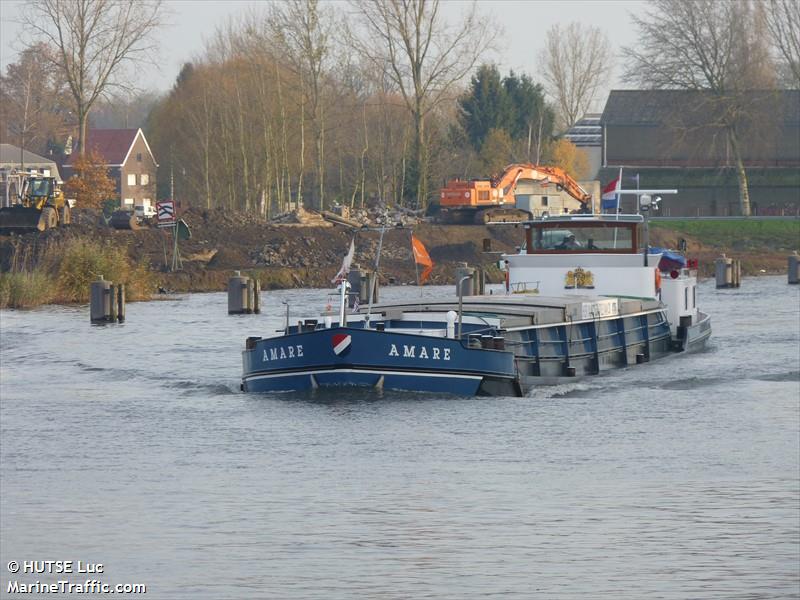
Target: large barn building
{"type": "Point", "coordinates": [672, 138]}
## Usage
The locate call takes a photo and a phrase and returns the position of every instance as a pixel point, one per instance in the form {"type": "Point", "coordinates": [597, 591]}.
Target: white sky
{"type": "Point", "coordinates": [523, 22]}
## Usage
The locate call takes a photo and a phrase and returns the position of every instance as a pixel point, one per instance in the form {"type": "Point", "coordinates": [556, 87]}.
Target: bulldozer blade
{"type": "Point", "coordinates": [123, 219]}
{"type": "Point", "coordinates": [20, 219]}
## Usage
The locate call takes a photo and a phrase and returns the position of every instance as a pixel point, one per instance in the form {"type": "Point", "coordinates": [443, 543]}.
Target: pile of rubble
{"type": "Point", "coordinates": [303, 251]}
{"type": "Point", "coordinates": [381, 214]}
{"type": "Point", "coordinates": [301, 217]}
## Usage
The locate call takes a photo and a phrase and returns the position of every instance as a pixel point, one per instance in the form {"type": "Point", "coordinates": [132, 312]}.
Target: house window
{"type": "Point", "coordinates": [131, 178]}
{"type": "Point", "coordinates": [128, 202]}
{"type": "Point", "coordinates": [544, 200]}
{"type": "Point", "coordinates": [145, 179]}
{"type": "Point", "coordinates": [139, 157]}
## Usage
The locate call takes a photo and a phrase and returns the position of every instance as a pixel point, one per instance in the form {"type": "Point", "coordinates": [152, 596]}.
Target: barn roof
{"type": "Point", "coordinates": [650, 107]}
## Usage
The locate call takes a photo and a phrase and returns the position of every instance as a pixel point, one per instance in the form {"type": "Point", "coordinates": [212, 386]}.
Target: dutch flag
{"type": "Point", "coordinates": [610, 198]}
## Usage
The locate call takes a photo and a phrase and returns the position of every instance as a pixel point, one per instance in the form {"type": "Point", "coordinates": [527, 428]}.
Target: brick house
{"type": "Point", "coordinates": [130, 163]}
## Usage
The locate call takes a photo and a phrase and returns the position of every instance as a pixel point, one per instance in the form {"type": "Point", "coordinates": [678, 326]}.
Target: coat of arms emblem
{"type": "Point", "coordinates": [580, 279]}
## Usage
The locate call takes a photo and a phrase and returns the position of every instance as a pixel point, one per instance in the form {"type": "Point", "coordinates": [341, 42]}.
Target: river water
{"type": "Point", "coordinates": [130, 445]}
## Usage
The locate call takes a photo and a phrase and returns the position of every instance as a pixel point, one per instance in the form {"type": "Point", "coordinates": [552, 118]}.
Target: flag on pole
{"type": "Point", "coordinates": [348, 259]}
{"type": "Point", "coordinates": [421, 257]}
{"type": "Point", "coordinates": [610, 198]}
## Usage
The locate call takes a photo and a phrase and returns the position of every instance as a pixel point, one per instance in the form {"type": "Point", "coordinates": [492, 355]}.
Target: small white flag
{"type": "Point", "coordinates": [348, 259]}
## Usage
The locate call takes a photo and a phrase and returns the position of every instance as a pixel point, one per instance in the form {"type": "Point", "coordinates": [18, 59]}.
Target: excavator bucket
{"type": "Point", "coordinates": [22, 219]}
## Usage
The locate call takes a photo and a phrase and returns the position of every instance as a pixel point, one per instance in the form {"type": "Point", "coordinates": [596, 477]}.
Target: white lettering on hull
{"type": "Point", "coordinates": [282, 353]}
{"type": "Point", "coordinates": [433, 353]}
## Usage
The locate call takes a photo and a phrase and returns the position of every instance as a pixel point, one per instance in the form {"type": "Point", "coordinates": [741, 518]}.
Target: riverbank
{"type": "Point", "coordinates": [286, 256]}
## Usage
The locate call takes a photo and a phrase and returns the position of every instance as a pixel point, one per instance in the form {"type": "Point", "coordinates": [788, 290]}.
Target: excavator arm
{"type": "Point", "coordinates": [484, 200]}
{"type": "Point", "coordinates": [507, 181]}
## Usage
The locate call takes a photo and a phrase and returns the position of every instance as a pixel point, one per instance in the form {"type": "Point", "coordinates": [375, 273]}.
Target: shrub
{"type": "Point", "coordinates": [26, 289]}
{"type": "Point", "coordinates": [80, 261]}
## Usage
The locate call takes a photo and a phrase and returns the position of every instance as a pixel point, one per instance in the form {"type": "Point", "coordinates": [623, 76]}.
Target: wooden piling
{"type": "Point", "coordinates": [121, 302]}
{"type": "Point", "coordinates": [250, 297]}
{"type": "Point", "coordinates": [794, 268]}
{"type": "Point", "coordinates": [112, 303]}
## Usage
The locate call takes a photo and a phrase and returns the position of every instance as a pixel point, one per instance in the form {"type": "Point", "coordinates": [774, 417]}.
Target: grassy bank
{"type": "Point", "coordinates": [58, 266]}
{"type": "Point", "coordinates": [732, 235]}
{"type": "Point", "coordinates": [63, 273]}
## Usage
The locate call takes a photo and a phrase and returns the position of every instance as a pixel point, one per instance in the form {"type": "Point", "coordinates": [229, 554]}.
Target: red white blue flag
{"type": "Point", "coordinates": [610, 198]}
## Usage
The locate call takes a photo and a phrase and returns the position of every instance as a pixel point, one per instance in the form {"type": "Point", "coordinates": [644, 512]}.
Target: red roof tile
{"type": "Point", "coordinates": [111, 144]}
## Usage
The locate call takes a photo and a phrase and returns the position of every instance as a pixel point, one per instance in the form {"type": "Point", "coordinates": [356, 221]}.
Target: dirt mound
{"type": "Point", "coordinates": [309, 254]}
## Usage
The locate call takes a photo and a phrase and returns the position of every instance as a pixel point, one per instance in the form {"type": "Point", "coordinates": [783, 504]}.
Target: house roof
{"type": "Point", "coordinates": [10, 159]}
{"type": "Point", "coordinates": [114, 145]}
{"type": "Point", "coordinates": [587, 131]}
{"type": "Point", "coordinates": [650, 107]}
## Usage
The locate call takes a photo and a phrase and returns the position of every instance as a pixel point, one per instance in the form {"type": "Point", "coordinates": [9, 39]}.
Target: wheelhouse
{"type": "Point", "coordinates": [590, 234]}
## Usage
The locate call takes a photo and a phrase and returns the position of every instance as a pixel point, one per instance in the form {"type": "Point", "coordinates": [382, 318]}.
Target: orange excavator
{"type": "Point", "coordinates": [482, 201]}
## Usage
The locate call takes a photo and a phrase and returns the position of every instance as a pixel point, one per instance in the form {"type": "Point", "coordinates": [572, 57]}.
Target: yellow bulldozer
{"type": "Point", "coordinates": [31, 202]}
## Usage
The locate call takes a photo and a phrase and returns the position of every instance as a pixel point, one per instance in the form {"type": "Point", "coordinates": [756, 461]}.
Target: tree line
{"type": "Point", "coordinates": [310, 103]}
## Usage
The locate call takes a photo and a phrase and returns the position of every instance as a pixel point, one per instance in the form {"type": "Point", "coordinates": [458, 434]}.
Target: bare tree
{"type": "Point", "coordinates": [783, 24]}
{"type": "Point", "coordinates": [715, 48]}
{"type": "Point", "coordinates": [577, 60]}
{"type": "Point", "coordinates": [94, 40]}
{"type": "Point", "coordinates": [423, 57]}
{"type": "Point", "coordinates": [32, 107]}
{"type": "Point", "coordinates": [305, 31]}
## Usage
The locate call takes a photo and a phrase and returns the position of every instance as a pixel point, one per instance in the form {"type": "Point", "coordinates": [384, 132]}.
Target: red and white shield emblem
{"type": "Point", "coordinates": [341, 343]}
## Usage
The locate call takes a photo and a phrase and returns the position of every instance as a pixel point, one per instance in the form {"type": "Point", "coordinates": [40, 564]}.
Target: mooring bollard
{"type": "Point", "coordinates": [369, 281]}
{"type": "Point", "coordinates": [467, 285]}
{"type": "Point", "coordinates": [356, 280]}
{"type": "Point", "coordinates": [728, 272]}
{"type": "Point", "coordinates": [106, 302]}
{"type": "Point", "coordinates": [794, 268]}
{"type": "Point", "coordinates": [237, 294]}
{"type": "Point", "coordinates": [99, 305]}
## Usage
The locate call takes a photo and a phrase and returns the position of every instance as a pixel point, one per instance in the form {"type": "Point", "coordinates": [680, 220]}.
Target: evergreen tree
{"type": "Point", "coordinates": [531, 119]}
{"type": "Point", "coordinates": [514, 104]}
{"type": "Point", "coordinates": [485, 106]}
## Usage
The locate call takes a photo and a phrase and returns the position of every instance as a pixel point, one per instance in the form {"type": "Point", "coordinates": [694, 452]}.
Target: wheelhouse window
{"type": "Point", "coordinates": [577, 237]}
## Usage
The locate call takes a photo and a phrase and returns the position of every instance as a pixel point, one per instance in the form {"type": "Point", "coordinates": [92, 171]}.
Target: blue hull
{"type": "Point", "coordinates": [368, 358]}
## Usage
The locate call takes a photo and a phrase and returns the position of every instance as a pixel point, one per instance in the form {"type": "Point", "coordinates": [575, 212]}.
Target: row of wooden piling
{"type": "Point", "coordinates": [107, 299]}
{"type": "Point", "coordinates": [728, 271]}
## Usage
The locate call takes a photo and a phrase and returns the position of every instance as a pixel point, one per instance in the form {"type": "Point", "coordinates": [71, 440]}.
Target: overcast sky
{"type": "Point", "coordinates": [523, 22]}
